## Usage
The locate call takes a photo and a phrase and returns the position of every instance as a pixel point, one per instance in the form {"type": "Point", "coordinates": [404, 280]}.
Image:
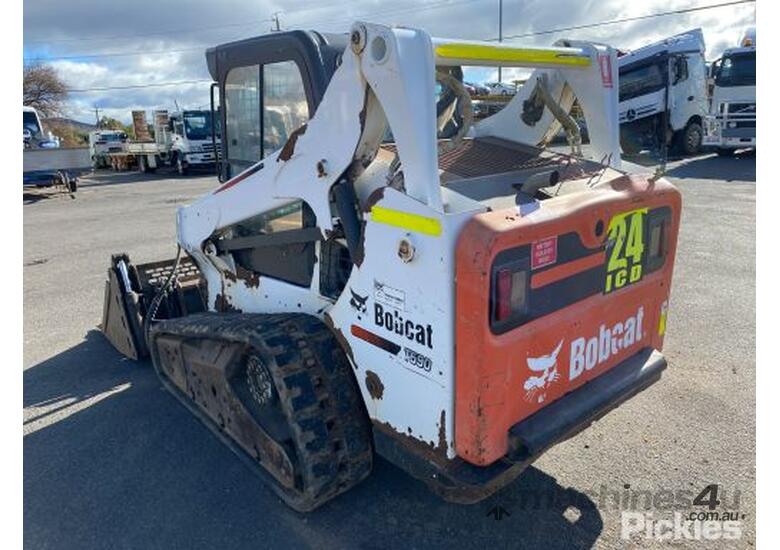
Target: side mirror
{"type": "Point", "coordinates": [714, 68]}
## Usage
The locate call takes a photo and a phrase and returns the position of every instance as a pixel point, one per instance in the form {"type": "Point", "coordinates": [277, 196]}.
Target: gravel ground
{"type": "Point", "coordinates": [110, 460]}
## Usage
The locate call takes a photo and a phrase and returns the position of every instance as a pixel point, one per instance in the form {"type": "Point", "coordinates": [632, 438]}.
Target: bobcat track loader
{"type": "Point", "coordinates": [391, 277]}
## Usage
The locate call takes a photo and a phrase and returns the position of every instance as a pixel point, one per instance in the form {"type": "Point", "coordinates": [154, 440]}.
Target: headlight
{"type": "Point", "coordinates": [732, 124]}
{"type": "Point", "coordinates": [711, 127]}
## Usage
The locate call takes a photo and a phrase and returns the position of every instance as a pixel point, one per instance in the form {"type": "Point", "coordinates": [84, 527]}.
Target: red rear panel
{"type": "Point", "coordinates": [552, 297]}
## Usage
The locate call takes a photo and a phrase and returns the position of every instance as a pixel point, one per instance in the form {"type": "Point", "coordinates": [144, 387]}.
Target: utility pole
{"type": "Point", "coordinates": [275, 18]}
{"type": "Point", "coordinates": [500, 29]}
{"type": "Point", "coordinates": [97, 118]}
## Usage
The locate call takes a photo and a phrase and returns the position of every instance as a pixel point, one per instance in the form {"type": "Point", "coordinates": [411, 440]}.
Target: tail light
{"type": "Point", "coordinates": [658, 226]}
{"type": "Point", "coordinates": [510, 292]}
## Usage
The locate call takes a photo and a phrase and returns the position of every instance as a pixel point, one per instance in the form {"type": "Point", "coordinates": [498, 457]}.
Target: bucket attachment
{"type": "Point", "coordinates": [130, 290]}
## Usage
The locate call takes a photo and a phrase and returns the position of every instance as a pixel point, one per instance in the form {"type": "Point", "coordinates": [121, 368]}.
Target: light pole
{"type": "Point", "coordinates": [500, 29]}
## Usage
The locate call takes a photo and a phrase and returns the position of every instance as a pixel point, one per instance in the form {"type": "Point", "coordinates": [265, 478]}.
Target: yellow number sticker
{"type": "Point", "coordinates": [625, 235]}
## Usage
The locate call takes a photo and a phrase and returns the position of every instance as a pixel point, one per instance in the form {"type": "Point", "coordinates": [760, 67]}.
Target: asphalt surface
{"type": "Point", "coordinates": [111, 460]}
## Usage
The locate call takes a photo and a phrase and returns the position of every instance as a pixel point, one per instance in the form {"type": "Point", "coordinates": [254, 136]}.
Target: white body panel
{"type": "Point", "coordinates": [392, 78]}
{"type": "Point", "coordinates": [40, 160]}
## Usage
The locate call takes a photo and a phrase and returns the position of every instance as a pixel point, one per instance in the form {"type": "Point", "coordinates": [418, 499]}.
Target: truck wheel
{"type": "Point", "coordinates": [73, 185]}
{"type": "Point", "coordinates": [278, 390]}
{"type": "Point", "coordinates": [724, 152]}
{"type": "Point", "coordinates": [629, 146]}
{"type": "Point", "coordinates": [689, 140]}
{"type": "Point", "coordinates": [181, 166]}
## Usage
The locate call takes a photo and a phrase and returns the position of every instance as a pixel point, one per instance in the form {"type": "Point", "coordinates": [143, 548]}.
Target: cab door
{"type": "Point", "coordinates": [269, 86]}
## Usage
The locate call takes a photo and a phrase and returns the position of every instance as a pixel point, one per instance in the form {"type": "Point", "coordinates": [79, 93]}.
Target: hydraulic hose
{"type": "Point", "coordinates": [154, 305]}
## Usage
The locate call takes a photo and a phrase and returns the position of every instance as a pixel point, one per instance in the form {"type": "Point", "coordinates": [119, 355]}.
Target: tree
{"type": "Point", "coordinates": [108, 123]}
{"type": "Point", "coordinates": [43, 89]}
{"type": "Point", "coordinates": [69, 135]}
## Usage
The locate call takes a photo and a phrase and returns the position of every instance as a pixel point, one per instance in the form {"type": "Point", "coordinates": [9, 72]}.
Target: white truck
{"type": "Point", "coordinates": [183, 139]}
{"type": "Point", "coordinates": [731, 123]}
{"type": "Point", "coordinates": [663, 95]}
{"type": "Point", "coordinates": [102, 142]}
{"type": "Point", "coordinates": [44, 162]}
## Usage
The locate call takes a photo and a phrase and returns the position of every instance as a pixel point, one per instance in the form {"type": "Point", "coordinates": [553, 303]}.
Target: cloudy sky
{"type": "Point", "coordinates": [99, 44]}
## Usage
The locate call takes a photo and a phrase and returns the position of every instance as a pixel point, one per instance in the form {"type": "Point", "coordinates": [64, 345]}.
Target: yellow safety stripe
{"type": "Point", "coordinates": [405, 220]}
{"type": "Point", "coordinates": [487, 52]}
{"type": "Point", "coordinates": [662, 321]}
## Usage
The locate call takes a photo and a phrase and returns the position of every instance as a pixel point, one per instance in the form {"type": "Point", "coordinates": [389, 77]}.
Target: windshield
{"type": "Point", "coordinates": [737, 70]}
{"type": "Point", "coordinates": [113, 137]}
{"type": "Point", "coordinates": [641, 80]}
{"type": "Point", "coordinates": [30, 122]}
{"type": "Point", "coordinates": [197, 126]}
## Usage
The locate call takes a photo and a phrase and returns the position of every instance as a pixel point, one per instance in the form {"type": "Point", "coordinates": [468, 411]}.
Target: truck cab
{"type": "Point", "coordinates": [731, 123]}
{"type": "Point", "coordinates": [194, 139]}
{"type": "Point", "coordinates": [102, 142]}
{"type": "Point", "coordinates": [663, 95]}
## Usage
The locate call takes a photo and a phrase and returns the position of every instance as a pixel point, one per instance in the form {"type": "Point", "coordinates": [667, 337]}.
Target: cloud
{"type": "Point", "coordinates": [81, 28]}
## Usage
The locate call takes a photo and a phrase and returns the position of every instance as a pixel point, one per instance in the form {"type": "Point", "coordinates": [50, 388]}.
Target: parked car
{"type": "Point", "coordinates": [499, 88]}
{"type": "Point", "coordinates": [479, 89]}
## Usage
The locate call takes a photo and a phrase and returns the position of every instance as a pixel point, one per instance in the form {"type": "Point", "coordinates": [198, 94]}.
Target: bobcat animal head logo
{"type": "Point", "coordinates": [358, 302]}
{"type": "Point", "coordinates": [545, 369]}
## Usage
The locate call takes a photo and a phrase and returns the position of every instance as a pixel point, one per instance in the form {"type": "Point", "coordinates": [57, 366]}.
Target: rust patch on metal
{"type": "Point", "coordinates": [321, 171]}
{"type": "Point", "coordinates": [222, 304]}
{"type": "Point", "coordinates": [289, 148]}
{"type": "Point", "coordinates": [341, 339]}
{"type": "Point", "coordinates": [436, 453]}
{"type": "Point", "coordinates": [251, 278]}
{"type": "Point", "coordinates": [374, 385]}
{"type": "Point", "coordinates": [442, 433]}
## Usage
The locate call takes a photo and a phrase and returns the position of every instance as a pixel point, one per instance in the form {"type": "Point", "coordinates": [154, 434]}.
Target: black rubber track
{"type": "Point", "coordinates": [317, 392]}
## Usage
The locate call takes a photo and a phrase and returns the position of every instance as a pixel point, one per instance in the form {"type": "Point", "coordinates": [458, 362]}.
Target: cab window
{"type": "Point", "coordinates": [285, 108]}
{"type": "Point", "coordinates": [642, 80]}
{"type": "Point", "coordinates": [264, 104]}
{"type": "Point", "coordinates": [242, 115]}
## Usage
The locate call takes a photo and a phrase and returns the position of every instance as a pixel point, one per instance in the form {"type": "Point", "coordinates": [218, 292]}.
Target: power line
{"type": "Point", "coordinates": [274, 19]}
{"type": "Point", "coordinates": [430, 6]}
{"type": "Point", "coordinates": [626, 19]}
{"type": "Point", "coordinates": [368, 17]}
{"type": "Point", "coordinates": [136, 86]}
